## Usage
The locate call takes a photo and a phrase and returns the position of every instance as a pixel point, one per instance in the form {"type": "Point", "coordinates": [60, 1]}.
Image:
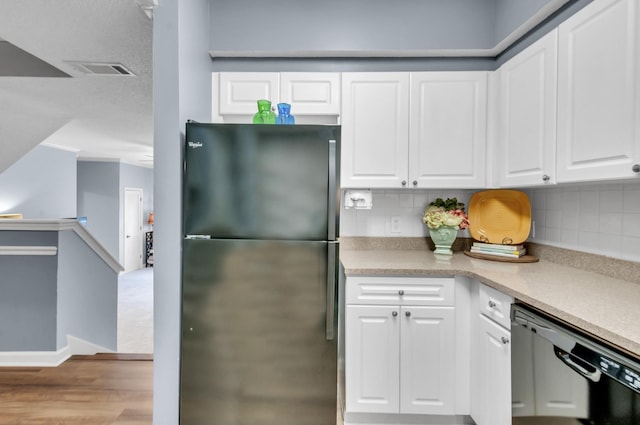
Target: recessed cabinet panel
{"type": "Point", "coordinates": [448, 129]}
{"type": "Point", "coordinates": [527, 115]}
{"type": "Point", "coordinates": [401, 291]}
{"type": "Point", "coordinates": [372, 358]}
{"type": "Point", "coordinates": [239, 92]}
{"type": "Point", "coordinates": [427, 360]}
{"type": "Point", "coordinates": [598, 93]}
{"type": "Point", "coordinates": [311, 93]}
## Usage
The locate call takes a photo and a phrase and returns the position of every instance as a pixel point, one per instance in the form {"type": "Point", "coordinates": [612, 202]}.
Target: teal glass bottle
{"type": "Point", "coordinates": [284, 114]}
{"type": "Point", "coordinates": [264, 115]}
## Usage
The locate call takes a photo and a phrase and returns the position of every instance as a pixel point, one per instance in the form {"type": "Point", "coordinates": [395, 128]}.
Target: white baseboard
{"type": "Point", "coordinates": [50, 358]}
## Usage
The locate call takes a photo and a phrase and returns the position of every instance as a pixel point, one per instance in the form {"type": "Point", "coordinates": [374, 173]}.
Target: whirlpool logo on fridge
{"type": "Point", "coordinates": [195, 145]}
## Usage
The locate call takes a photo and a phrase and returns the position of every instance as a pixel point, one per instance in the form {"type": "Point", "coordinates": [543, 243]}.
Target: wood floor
{"type": "Point", "coordinates": [91, 390]}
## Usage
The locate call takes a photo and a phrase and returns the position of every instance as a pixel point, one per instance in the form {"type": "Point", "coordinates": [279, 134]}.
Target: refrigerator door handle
{"type": "Point", "coordinates": [331, 290]}
{"type": "Point", "coordinates": [331, 202]}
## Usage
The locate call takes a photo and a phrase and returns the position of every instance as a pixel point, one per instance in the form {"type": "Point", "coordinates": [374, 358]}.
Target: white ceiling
{"type": "Point", "coordinates": [99, 117]}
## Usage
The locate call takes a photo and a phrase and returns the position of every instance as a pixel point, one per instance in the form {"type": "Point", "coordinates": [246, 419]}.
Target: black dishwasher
{"type": "Point", "coordinates": [562, 376]}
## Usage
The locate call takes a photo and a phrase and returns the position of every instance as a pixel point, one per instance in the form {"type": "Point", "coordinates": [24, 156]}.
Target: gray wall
{"type": "Point", "coordinates": [141, 178]}
{"type": "Point", "coordinates": [509, 14]}
{"type": "Point", "coordinates": [99, 200]}
{"type": "Point", "coordinates": [87, 304]}
{"type": "Point", "coordinates": [41, 184]}
{"type": "Point", "coordinates": [28, 291]}
{"type": "Point", "coordinates": [182, 90]}
{"type": "Point", "coordinates": [351, 25]}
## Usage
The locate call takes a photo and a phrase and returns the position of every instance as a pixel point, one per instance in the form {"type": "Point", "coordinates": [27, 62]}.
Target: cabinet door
{"type": "Point", "coordinates": [375, 129]}
{"type": "Point", "coordinates": [491, 398]}
{"type": "Point", "coordinates": [598, 93]}
{"type": "Point", "coordinates": [240, 91]}
{"type": "Point", "coordinates": [527, 115]}
{"type": "Point", "coordinates": [448, 129]}
{"type": "Point", "coordinates": [427, 360]}
{"type": "Point", "coordinates": [372, 359]}
{"type": "Point", "coordinates": [311, 93]}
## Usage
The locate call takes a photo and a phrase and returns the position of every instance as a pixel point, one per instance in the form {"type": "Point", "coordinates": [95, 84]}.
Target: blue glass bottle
{"type": "Point", "coordinates": [284, 116]}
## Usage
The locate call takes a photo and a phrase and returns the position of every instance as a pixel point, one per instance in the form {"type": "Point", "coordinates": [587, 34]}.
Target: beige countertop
{"type": "Point", "coordinates": [606, 307]}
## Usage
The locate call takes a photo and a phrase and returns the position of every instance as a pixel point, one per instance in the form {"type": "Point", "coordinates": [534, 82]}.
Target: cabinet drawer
{"type": "Point", "coordinates": [495, 305]}
{"type": "Point", "coordinates": [381, 290]}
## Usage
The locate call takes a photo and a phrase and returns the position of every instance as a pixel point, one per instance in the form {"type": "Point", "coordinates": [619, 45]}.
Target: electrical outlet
{"type": "Point", "coordinates": [395, 224]}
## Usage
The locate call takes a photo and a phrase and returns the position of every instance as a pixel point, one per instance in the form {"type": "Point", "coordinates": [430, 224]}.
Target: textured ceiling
{"type": "Point", "coordinates": [100, 117]}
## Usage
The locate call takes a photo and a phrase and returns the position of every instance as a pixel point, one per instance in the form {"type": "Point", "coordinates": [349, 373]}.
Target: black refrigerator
{"type": "Point", "coordinates": [260, 257]}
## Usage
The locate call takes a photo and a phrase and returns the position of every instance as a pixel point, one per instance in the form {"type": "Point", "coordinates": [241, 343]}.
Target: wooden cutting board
{"type": "Point", "coordinates": [523, 259]}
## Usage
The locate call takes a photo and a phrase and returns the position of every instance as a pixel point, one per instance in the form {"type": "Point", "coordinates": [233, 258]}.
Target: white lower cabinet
{"type": "Point", "coordinates": [491, 379]}
{"type": "Point", "coordinates": [491, 357]}
{"type": "Point", "coordinates": [400, 357]}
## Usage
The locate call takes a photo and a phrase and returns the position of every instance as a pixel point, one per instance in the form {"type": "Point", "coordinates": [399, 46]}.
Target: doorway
{"type": "Point", "coordinates": [132, 229]}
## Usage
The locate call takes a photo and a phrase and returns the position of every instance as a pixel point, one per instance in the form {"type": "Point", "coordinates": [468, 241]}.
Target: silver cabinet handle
{"type": "Point", "coordinates": [408, 314]}
{"type": "Point", "coordinates": [546, 178]}
{"type": "Point", "coordinates": [415, 182]}
{"type": "Point", "coordinates": [504, 340]}
{"type": "Point", "coordinates": [394, 313]}
{"type": "Point", "coordinates": [401, 292]}
{"type": "Point", "coordinates": [636, 168]}
{"type": "Point", "coordinates": [492, 304]}
{"type": "Point", "coordinates": [404, 183]}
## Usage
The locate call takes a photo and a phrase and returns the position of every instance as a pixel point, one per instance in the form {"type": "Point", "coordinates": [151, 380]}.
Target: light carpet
{"type": "Point", "coordinates": [135, 311]}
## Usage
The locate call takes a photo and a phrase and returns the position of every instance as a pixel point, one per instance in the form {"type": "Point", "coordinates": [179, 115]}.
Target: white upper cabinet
{"type": "Point", "coordinates": [448, 129]}
{"type": "Point", "coordinates": [599, 93]}
{"type": "Point", "coordinates": [314, 96]}
{"type": "Point", "coordinates": [375, 129]}
{"type": "Point", "coordinates": [526, 119]}
{"type": "Point", "coordinates": [311, 93]}
{"type": "Point", "coordinates": [238, 92]}
{"type": "Point", "coordinates": [419, 130]}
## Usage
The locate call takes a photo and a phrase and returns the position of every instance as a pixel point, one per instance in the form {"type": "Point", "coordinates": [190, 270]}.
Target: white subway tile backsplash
{"type": "Point", "coordinates": [631, 248]}
{"type": "Point", "coordinates": [631, 225]}
{"type": "Point", "coordinates": [588, 220]}
{"type": "Point", "coordinates": [610, 223]}
{"type": "Point", "coordinates": [587, 241]}
{"type": "Point", "coordinates": [569, 210]}
{"type": "Point", "coordinates": [554, 200]}
{"type": "Point", "coordinates": [610, 245]}
{"type": "Point", "coordinates": [569, 237]}
{"type": "Point", "coordinates": [553, 219]}
{"type": "Point", "coordinates": [611, 201]}
{"type": "Point", "coordinates": [598, 218]}
{"type": "Point", "coordinates": [631, 201]}
{"type": "Point", "coordinates": [588, 201]}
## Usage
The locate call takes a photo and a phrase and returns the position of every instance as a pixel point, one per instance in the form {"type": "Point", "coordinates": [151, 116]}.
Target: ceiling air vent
{"type": "Point", "coordinates": [99, 68]}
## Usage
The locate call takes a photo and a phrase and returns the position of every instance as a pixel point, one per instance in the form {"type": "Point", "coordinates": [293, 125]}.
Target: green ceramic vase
{"type": "Point", "coordinates": [443, 237]}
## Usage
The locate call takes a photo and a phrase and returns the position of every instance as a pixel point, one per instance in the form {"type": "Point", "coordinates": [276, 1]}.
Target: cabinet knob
{"type": "Point", "coordinates": [504, 340]}
{"type": "Point", "coordinates": [401, 292]}
{"type": "Point", "coordinates": [394, 313]}
{"type": "Point", "coordinates": [492, 304]}
{"type": "Point", "coordinates": [636, 168]}
{"type": "Point", "coordinates": [404, 183]}
{"type": "Point", "coordinates": [408, 314]}
{"type": "Point", "coordinates": [546, 178]}
{"type": "Point", "coordinates": [415, 182]}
